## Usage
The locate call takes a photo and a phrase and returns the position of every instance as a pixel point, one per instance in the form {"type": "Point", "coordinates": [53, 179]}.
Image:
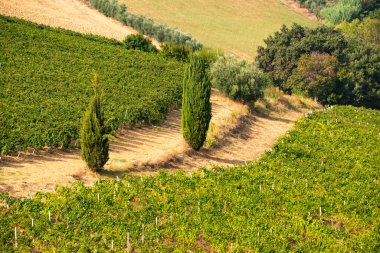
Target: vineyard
{"type": "Point", "coordinates": [317, 190]}
{"type": "Point", "coordinates": [45, 84]}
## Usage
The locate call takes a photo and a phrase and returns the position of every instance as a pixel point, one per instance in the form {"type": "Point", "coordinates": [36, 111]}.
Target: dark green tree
{"type": "Point", "coordinates": [196, 105]}
{"type": "Point", "coordinates": [285, 48]}
{"type": "Point", "coordinates": [139, 42]}
{"type": "Point", "coordinates": [94, 133]}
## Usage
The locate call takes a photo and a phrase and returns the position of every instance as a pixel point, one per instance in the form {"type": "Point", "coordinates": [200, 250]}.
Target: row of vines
{"type": "Point", "coordinates": [46, 77]}
{"type": "Point", "coordinates": [318, 190]}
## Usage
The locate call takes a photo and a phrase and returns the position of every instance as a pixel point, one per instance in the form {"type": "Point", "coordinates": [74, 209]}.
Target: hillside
{"type": "Point", "coordinates": [236, 26]}
{"type": "Point", "coordinates": [74, 15]}
{"type": "Point", "coordinates": [310, 194]}
{"type": "Point", "coordinates": [46, 84]}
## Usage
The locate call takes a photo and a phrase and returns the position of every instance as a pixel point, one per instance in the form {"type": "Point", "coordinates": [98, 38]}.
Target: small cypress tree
{"type": "Point", "coordinates": [94, 140]}
{"type": "Point", "coordinates": [196, 106]}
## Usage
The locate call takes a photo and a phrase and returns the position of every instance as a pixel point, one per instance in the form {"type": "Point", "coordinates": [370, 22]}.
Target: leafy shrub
{"type": "Point", "coordinates": [361, 75]}
{"type": "Point", "coordinates": [196, 106]}
{"type": "Point", "coordinates": [375, 14]}
{"type": "Point", "coordinates": [94, 140]}
{"type": "Point", "coordinates": [359, 33]}
{"type": "Point", "coordinates": [284, 48]}
{"type": "Point", "coordinates": [238, 79]}
{"type": "Point", "coordinates": [357, 58]}
{"type": "Point", "coordinates": [342, 10]}
{"type": "Point", "coordinates": [138, 42]}
{"type": "Point", "coordinates": [313, 5]}
{"type": "Point", "coordinates": [179, 52]}
{"type": "Point", "coordinates": [315, 76]}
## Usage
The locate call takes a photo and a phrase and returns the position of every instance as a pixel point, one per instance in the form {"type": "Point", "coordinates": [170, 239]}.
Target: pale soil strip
{"type": "Point", "coordinates": [69, 14]}
{"type": "Point", "coordinates": [136, 147]}
{"type": "Point", "coordinates": [294, 6]}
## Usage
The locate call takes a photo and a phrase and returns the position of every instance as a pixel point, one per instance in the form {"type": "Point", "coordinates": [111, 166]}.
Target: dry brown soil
{"type": "Point", "coordinates": [69, 14]}
{"type": "Point", "coordinates": [134, 148]}
{"type": "Point", "coordinates": [294, 6]}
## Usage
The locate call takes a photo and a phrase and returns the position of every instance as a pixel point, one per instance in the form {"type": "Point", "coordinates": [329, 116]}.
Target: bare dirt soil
{"type": "Point", "coordinates": [145, 150]}
{"type": "Point", "coordinates": [294, 6]}
{"type": "Point", "coordinates": [69, 14]}
{"type": "Point", "coordinates": [134, 148]}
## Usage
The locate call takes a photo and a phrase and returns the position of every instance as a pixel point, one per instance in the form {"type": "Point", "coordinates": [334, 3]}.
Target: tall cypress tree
{"type": "Point", "coordinates": [196, 106]}
{"type": "Point", "coordinates": [94, 140]}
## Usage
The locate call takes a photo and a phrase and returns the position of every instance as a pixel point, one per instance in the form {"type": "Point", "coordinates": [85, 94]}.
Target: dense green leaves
{"type": "Point", "coordinates": [353, 58]}
{"type": "Point", "coordinates": [45, 84]}
{"type": "Point", "coordinates": [343, 10]}
{"type": "Point", "coordinates": [329, 161]}
{"type": "Point", "coordinates": [93, 135]}
{"type": "Point", "coordinates": [138, 42]}
{"type": "Point", "coordinates": [238, 79]}
{"type": "Point", "coordinates": [196, 105]}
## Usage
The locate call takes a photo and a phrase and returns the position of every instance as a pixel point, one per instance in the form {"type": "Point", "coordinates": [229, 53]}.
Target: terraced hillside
{"type": "Point", "coordinates": [46, 84]}
{"type": "Point", "coordinates": [317, 191]}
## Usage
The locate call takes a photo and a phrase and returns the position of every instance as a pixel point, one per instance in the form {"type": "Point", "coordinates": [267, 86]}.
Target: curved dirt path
{"type": "Point", "coordinates": [135, 148]}
{"type": "Point", "coordinates": [145, 150]}
{"type": "Point", "coordinates": [69, 14]}
{"type": "Point", "coordinates": [296, 7]}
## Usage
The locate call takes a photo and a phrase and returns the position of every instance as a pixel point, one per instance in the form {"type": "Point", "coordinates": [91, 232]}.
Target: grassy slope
{"type": "Point", "coordinates": [236, 26]}
{"type": "Point", "coordinates": [45, 83]}
{"type": "Point", "coordinates": [331, 160]}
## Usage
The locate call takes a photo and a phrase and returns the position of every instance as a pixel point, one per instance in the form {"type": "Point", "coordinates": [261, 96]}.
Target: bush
{"type": "Point", "coordinates": [283, 50]}
{"type": "Point", "coordinates": [355, 62]}
{"type": "Point", "coordinates": [343, 10]}
{"type": "Point", "coordinates": [179, 52]}
{"type": "Point", "coordinates": [138, 42]}
{"type": "Point", "coordinates": [313, 5]}
{"type": "Point", "coordinates": [362, 76]}
{"type": "Point", "coordinates": [237, 79]}
{"type": "Point", "coordinates": [196, 106]}
{"type": "Point", "coordinates": [316, 77]}
{"type": "Point", "coordinates": [359, 33]}
{"type": "Point", "coordinates": [375, 14]}
{"type": "Point", "coordinates": [94, 141]}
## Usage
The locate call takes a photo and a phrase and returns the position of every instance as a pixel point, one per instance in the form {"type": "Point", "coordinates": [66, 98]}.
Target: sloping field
{"type": "Point", "coordinates": [317, 191]}
{"type": "Point", "coordinates": [236, 26]}
{"type": "Point", "coordinates": [46, 84]}
{"type": "Point", "coordinates": [69, 14]}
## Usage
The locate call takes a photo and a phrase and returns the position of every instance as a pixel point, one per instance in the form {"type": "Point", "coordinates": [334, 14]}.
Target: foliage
{"type": "Point", "coordinates": [237, 79]}
{"type": "Point", "coordinates": [284, 48]}
{"type": "Point", "coordinates": [315, 76]}
{"type": "Point", "coordinates": [375, 14]}
{"type": "Point", "coordinates": [343, 10]}
{"type": "Point", "coordinates": [138, 42]}
{"type": "Point", "coordinates": [362, 75]}
{"type": "Point", "coordinates": [145, 25]}
{"type": "Point", "coordinates": [329, 161]}
{"type": "Point", "coordinates": [196, 105]}
{"type": "Point", "coordinates": [359, 33]}
{"type": "Point", "coordinates": [179, 52]}
{"type": "Point", "coordinates": [94, 140]}
{"type": "Point", "coordinates": [44, 85]}
{"type": "Point", "coordinates": [357, 55]}
{"type": "Point", "coordinates": [313, 5]}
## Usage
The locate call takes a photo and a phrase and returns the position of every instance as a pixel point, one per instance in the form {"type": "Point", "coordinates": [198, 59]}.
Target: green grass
{"type": "Point", "coordinates": [235, 26]}
{"type": "Point", "coordinates": [331, 161]}
{"type": "Point", "coordinates": [45, 84]}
